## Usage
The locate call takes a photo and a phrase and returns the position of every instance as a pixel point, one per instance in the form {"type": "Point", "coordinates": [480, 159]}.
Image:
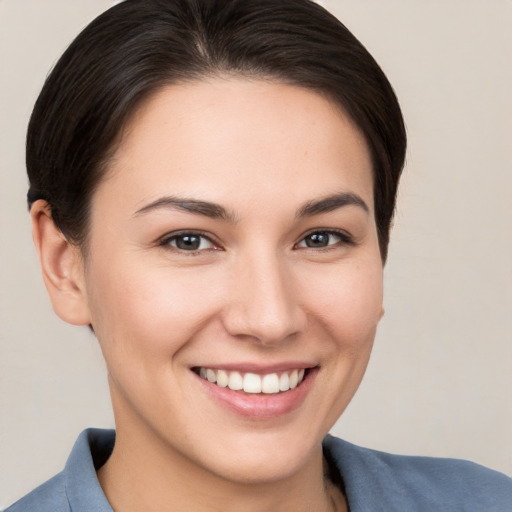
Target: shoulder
{"type": "Point", "coordinates": [48, 497]}
{"type": "Point", "coordinates": [396, 482]}
{"type": "Point", "coordinates": [76, 488]}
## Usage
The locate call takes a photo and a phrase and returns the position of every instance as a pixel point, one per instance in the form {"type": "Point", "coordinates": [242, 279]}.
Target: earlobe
{"type": "Point", "coordinates": [61, 265]}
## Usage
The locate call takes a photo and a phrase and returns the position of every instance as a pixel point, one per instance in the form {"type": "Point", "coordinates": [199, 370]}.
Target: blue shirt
{"type": "Point", "coordinates": [372, 481]}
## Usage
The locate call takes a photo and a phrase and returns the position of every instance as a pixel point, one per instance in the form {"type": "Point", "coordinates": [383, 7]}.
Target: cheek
{"type": "Point", "coordinates": [346, 305]}
{"type": "Point", "coordinates": [348, 301]}
{"type": "Point", "coordinates": [144, 311]}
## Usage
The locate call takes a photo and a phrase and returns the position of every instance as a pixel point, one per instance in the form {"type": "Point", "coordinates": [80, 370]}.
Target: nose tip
{"type": "Point", "coordinates": [264, 307]}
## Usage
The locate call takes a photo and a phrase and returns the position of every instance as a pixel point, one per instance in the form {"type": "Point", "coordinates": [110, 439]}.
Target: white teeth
{"type": "Point", "coordinates": [236, 382]}
{"type": "Point", "coordinates": [294, 379]}
{"type": "Point", "coordinates": [269, 383]}
{"type": "Point", "coordinates": [284, 382]}
{"type": "Point", "coordinates": [252, 383]}
{"type": "Point", "coordinates": [222, 378]}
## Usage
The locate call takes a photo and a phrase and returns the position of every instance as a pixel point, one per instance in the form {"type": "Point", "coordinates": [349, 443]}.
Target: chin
{"type": "Point", "coordinates": [269, 455]}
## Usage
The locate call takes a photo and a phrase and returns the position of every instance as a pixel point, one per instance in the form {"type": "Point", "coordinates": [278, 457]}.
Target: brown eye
{"type": "Point", "coordinates": [322, 239]}
{"type": "Point", "coordinates": [189, 242]}
{"type": "Point", "coordinates": [318, 240]}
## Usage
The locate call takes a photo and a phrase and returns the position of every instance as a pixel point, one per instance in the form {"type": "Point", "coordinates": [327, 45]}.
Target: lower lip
{"type": "Point", "coordinates": [261, 406]}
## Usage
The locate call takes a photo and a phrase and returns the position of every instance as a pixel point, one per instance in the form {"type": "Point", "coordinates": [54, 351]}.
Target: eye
{"type": "Point", "coordinates": [322, 239]}
{"type": "Point", "coordinates": [188, 241]}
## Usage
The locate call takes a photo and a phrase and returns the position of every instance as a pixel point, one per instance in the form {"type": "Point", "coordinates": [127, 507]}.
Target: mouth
{"type": "Point", "coordinates": [258, 394]}
{"type": "Point", "coordinates": [254, 383]}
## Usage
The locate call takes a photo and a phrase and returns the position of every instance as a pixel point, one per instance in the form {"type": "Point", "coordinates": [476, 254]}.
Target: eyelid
{"type": "Point", "coordinates": [346, 238]}
{"type": "Point", "coordinates": [166, 239]}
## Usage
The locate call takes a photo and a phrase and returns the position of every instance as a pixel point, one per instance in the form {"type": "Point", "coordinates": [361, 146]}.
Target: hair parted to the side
{"type": "Point", "coordinates": [139, 46]}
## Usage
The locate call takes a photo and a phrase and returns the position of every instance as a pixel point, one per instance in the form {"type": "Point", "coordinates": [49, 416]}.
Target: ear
{"type": "Point", "coordinates": [62, 266]}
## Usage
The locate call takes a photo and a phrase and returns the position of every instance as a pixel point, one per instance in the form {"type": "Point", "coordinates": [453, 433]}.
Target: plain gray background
{"type": "Point", "coordinates": [440, 379]}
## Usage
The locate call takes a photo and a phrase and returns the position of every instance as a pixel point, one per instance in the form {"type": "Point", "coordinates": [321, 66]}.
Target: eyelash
{"type": "Point", "coordinates": [345, 239]}
{"type": "Point", "coordinates": [166, 242]}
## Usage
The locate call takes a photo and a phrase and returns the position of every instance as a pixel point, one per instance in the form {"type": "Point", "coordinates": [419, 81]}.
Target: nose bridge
{"type": "Point", "coordinates": [263, 304]}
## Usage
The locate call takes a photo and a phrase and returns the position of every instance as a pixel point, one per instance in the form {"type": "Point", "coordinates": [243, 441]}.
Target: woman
{"type": "Point", "coordinates": [211, 190]}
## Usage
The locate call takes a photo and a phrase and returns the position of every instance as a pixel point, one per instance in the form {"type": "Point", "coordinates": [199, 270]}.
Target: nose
{"type": "Point", "coordinates": [263, 304]}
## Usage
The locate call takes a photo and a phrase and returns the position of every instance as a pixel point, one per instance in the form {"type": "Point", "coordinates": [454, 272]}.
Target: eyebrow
{"type": "Point", "coordinates": [216, 211]}
{"type": "Point", "coordinates": [331, 203]}
{"type": "Point", "coordinates": [196, 206]}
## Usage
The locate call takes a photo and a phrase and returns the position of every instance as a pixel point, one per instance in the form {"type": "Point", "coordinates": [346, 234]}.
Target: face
{"type": "Point", "coordinates": [233, 245]}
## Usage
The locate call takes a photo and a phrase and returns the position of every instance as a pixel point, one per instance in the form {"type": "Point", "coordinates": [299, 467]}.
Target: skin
{"type": "Point", "coordinates": [253, 293]}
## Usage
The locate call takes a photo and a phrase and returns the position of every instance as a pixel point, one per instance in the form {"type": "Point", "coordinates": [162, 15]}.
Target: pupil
{"type": "Point", "coordinates": [188, 242]}
{"type": "Point", "coordinates": [317, 240]}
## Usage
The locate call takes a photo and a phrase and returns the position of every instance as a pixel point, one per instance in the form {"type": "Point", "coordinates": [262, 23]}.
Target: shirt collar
{"type": "Point", "coordinates": [91, 450]}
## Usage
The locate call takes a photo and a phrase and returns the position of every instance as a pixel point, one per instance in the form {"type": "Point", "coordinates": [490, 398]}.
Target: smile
{"type": "Point", "coordinates": [270, 383]}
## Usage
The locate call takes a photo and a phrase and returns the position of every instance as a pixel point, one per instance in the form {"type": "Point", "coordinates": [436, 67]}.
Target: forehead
{"type": "Point", "coordinates": [238, 137]}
